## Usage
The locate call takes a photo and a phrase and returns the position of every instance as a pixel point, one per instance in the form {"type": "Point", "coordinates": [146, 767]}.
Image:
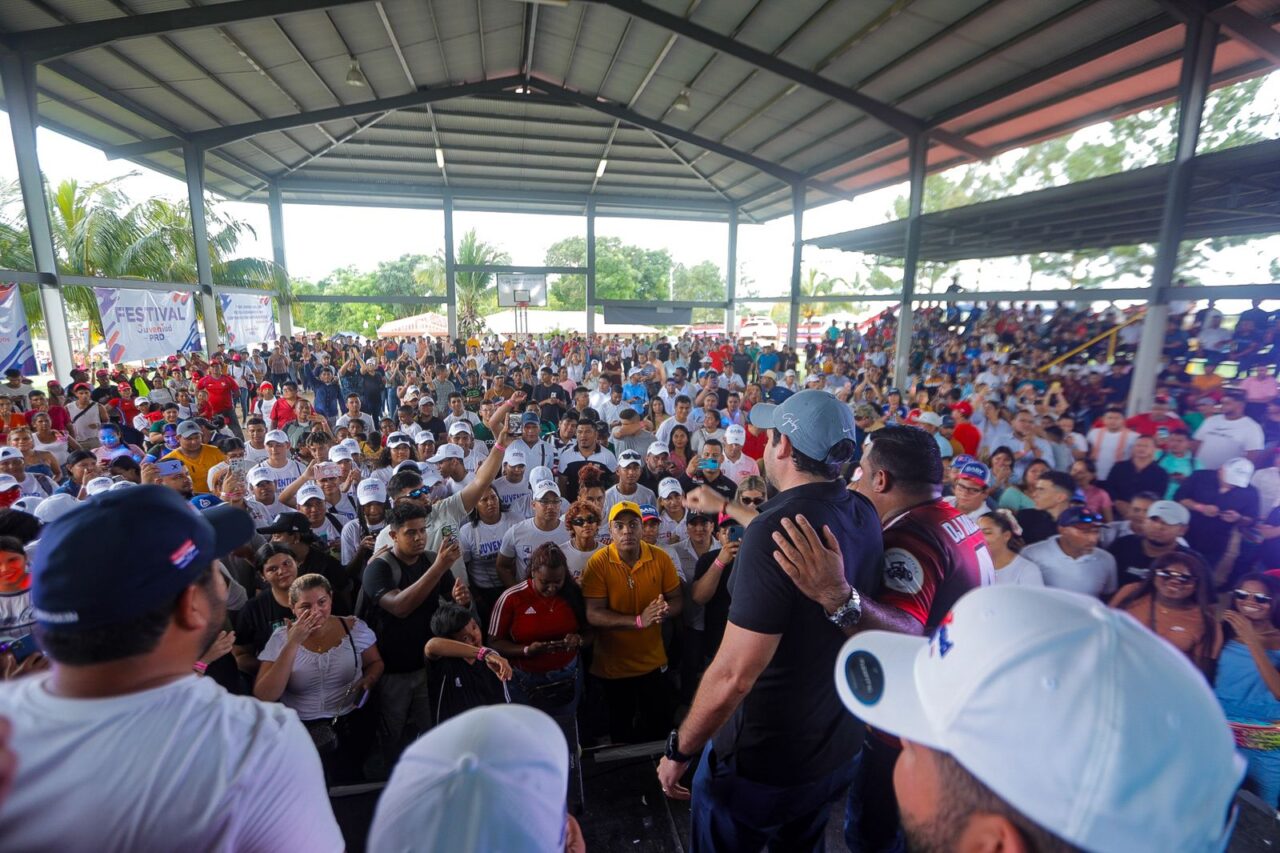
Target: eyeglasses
{"type": "Point", "coordinates": [750, 501]}
{"type": "Point", "coordinates": [1245, 595]}
{"type": "Point", "coordinates": [579, 521]}
{"type": "Point", "coordinates": [1176, 577]}
{"type": "Point", "coordinates": [420, 492]}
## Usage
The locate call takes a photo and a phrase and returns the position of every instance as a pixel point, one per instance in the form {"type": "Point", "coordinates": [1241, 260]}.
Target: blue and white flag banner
{"type": "Point", "coordinates": [15, 334]}
{"type": "Point", "coordinates": [249, 319]}
{"type": "Point", "coordinates": [146, 324]}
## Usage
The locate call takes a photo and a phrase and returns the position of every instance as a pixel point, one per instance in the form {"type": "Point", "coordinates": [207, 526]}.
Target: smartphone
{"type": "Point", "coordinates": [364, 697]}
{"type": "Point", "coordinates": [735, 533]}
{"type": "Point", "coordinates": [513, 423]}
{"type": "Point", "coordinates": [708, 465]}
{"type": "Point", "coordinates": [328, 469]}
{"type": "Point", "coordinates": [169, 467]}
{"type": "Point", "coordinates": [21, 648]}
{"type": "Point", "coordinates": [238, 466]}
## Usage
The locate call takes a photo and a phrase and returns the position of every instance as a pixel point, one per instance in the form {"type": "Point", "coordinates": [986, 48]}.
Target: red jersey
{"type": "Point", "coordinates": [222, 391]}
{"type": "Point", "coordinates": [523, 615]}
{"type": "Point", "coordinates": [1144, 424]}
{"type": "Point", "coordinates": [969, 437]}
{"type": "Point", "coordinates": [933, 554]}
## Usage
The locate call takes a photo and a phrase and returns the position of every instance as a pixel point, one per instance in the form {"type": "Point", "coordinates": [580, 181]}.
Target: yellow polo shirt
{"type": "Point", "coordinates": [199, 467]}
{"type": "Point", "coordinates": [628, 652]}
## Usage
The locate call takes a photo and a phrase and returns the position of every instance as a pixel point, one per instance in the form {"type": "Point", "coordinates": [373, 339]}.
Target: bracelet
{"type": "Point", "coordinates": [640, 621]}
{"type": "Point", "coordinates": [199, 667]}
{"type": "Point", "coordinates": [482, 653]}
{"type": "Point", "coordinates": [717, 564]}
{"type": "Point", "coordinates": [498, 447]}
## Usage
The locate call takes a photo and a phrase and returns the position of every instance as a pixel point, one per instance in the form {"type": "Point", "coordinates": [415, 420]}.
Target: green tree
{"type": "Point", "coordinates": [476, 291]}
{"type": "Point", "coordinates": [699, 283]}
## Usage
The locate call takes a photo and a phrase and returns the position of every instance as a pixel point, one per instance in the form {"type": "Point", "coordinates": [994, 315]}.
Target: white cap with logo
{"type": "Point", "coordinates": [1073, 713]}
{"type": "Point", "coordinates": [371, 491]}
{"type": "Point", "coordinates": [669, 486]}
{"type": "Point", "coordinates": [279, 436]}
{"type": "Point", "coordinates": [735, 434]}
{"type": "Point", "coordinates": [447, 451]}
{"type": "Point", "coordinates": [309, 492]}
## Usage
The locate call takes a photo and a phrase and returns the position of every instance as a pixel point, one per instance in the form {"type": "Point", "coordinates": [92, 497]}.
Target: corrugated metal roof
{"type": "Point", "coordinates": [1002, 72]}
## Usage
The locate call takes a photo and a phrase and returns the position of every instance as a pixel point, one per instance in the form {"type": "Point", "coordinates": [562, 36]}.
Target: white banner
{"type": "Point", "coordinates": [145, 324]}
{"type": "Point", "coordinates": [249, 319]}
{"type": "Point", "coordinates": [15, 336]}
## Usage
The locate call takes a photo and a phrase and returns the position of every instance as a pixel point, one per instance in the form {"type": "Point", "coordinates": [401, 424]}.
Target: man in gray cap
{"type": "Point", "coordinates": [776, 747]}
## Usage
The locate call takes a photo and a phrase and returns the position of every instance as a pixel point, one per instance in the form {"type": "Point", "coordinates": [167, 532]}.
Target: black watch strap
{"type": "Point", "coordinates": [673, 752]}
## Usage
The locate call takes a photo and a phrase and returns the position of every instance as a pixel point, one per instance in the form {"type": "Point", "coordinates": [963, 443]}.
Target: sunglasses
{"type": "Point", "coordinates": [579, 521]}
{"type": "Point", "coordinates": [1245, 595]}
{"type": "Point", "coordinates": [1176, 577]}
{"type": "Point", "coordinates": [420, 492]}
{"type": "Point", "coordinates": [750, 501]}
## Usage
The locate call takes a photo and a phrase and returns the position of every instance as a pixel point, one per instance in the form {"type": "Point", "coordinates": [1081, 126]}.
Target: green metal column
{"type": "Point", "coordinates": [450, 274]}
{"type": "Point", "coordinates": [20, 96]}
{"type": "Point", "coordinates": [797, 257]}
{"type": "Point", "coordinates": [731, 275]}
{"type": "Point", "coordinates": [193, 159]}
{"type": "Point", "coordinates": [591, 269]}
{"type": "Point", "coordinates": [918, 148]}
{"type": "Point", "coordinates": [275, 209]}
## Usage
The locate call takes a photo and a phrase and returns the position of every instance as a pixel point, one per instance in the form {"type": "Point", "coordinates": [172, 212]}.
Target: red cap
{"type": "Point", "coordinates": [963, 408]}
{"type": "Point", "coordinates": [102, 373]}
{"type": "Point", "coordinates": [913, 416]}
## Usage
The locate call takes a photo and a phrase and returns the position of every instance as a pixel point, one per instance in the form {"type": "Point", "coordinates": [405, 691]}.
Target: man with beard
{"type": "Point", "coordinates": [123, 641]}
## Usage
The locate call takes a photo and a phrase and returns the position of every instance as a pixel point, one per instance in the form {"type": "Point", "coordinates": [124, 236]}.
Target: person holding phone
{"type": "Point", "coordinates": [323, 666]}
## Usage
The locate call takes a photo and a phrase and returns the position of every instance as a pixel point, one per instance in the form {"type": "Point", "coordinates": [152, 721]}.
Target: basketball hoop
{"type": "Point", "coordinates": [521, 297]}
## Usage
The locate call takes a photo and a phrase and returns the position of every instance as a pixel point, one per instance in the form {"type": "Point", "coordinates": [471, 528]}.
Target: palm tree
{"type": "Point", "coordinates": [816, 283]}
{"type": "Point", "coordinates": [474, 290]}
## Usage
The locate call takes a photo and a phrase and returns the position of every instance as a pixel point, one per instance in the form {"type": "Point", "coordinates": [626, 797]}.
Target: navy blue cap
{"type": "Point", "coordinates": [125, 553]}
{"type": "Point", "coordinates": [1074, 516]}
{"type": "Point", "coordinates": [529, 418]}
{"type": "Point", "coordinates": [204, 502]}
{"type": "Point", "coordinates": [813, 420]}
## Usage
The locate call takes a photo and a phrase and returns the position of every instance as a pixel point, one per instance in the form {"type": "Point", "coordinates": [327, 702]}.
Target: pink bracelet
{"type": "Point", "coordinates": [716, 563]}
{"type": "Point", "coordinates": [482, 653]}
{"type": "Point", "coordinates": [200, 667]}
{"type": "Point", "coordinates": [639, 622]}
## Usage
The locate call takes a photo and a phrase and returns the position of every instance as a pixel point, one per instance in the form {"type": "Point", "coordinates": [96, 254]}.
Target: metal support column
{"type": "Point", "coordinates": [918, 147]}
{"type": "Point", "coordinates": [1193, 87]}
{"type": "Point", "coordinates": [275, 209]}
{"type": "Point", "coordinates": [193, 159]}
{"type": "Point", "coordinates": [450, 274]}
{"type": "Point", "coordinates": [731, 275]}
{"type": "Point", "coordinates": [20, 95]}
{"type": "Point", "coordinates": [797, 257]}
{"type": "Point", "coordinates": [591, 270]}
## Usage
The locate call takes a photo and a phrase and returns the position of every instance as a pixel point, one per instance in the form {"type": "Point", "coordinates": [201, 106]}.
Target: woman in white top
{"type": "Point", "coordinates": [45, 438]}
{"type": "Point", "coordinates": [481, 539]}
{"type": "Point", "coordinates": [323, 666]}
{"type": "Point", "coordinates": [85, 416]}
{"type": "Point", "coordinates": [1004, 541]}
{"type": "Point", "coordinates": [582, 520]}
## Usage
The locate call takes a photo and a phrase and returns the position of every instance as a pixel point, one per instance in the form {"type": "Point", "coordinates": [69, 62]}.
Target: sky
{"type": "Point", "coordinates": [319, 239]}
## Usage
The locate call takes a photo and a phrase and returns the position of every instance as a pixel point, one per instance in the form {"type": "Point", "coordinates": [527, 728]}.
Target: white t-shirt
{"type": "Point", "coordinates": [1222, 439]}
{"type": "Point", "coordinates": [1020, 571]}
{"type": "Point", "coordinates": [219, 772]}
{"type": "Point", "coordinates": [522, 538]}
{"type": "Point", "coordinates": [318, 683]}
{"type": "Point", "coordinates": [576, 559]}
{"type": "Point", "coordinates": [642, 496]}
{"type": "Point", "coordinates": [1107, 448]}
{"type": "Point", "coordinates": [509, 492]}
{"type": "Point", "coordinates": [345, 421]}
{"type": "Point", "coordinates": [285, 474]}
{"type": "Point", "coordinates": [670, 530]}
{"type": "Point", "coordinates": [480, 545]}
{"type": "Point", "coordinates": [352, 533]}
{"type": "Point", "coordinates": [1092, 574]}
{"type": "Point", "coordinates": [541, 454]}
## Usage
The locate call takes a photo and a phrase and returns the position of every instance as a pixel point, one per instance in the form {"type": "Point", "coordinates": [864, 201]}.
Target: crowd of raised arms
{"type": "Point", "coordinates": [579, 526]}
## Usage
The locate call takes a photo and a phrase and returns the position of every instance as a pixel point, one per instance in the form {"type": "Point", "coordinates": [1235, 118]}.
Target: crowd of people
{"type": "Point", "coordinates": [255, 574]}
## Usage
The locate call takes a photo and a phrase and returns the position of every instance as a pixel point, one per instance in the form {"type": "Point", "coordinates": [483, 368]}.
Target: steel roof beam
{"type": "Point", "coordinates": [310, 185]}
{"type": "Point", "coordinates": [51, 42]}
{"type": "Point", "coordinates": [900, 121]}
{"type": "Point", "coordinates": [218, 136]}
{"type": "Point", "coordinates": [1249, 31]}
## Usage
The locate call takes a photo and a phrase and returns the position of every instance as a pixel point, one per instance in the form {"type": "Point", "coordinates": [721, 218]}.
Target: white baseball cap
{"type": "Point", "coordinates": [411, 392]}
{"type": "Point", "coordinates": [931, 418]}
{"type": "Point", "coordinates": [309, 492]}
{"type": "Point", "coordinates": [7, 453]}
{"type": "Point", "coordinates": [55, 506]}
{"type": "Point", "coordinates": [540, 473]}
{"type": "Point", "coordinates": [447, 451]}
{"type": "Point", "coordinates": [399, 439]}
{"type": "Point", "coordinates": [735, 434]}
{"type": "Point", "coordinates": [28, 504]}
{"type": "Point", "coordinates": [669, 486]}
{"type": "Point", "coordinates": [350, 444]}
{"type": "Point", "coordinates": [1237, 472]}
{"type": "Point", "coordinates": [657, 449]}
{"type": "Point", "coordinates": [1074, 714]}
{"type": "Point", "coordinates": [459, 427]}
{"type": "Point", "coordinates": [466, 766]}
{"type": "Point", "coordinates": [96, 486]}
{"type": "Point", "coordinates": [1170, 512]}
{"type": "Point", "coordinates": [627, 458]}
{"type": "Point", "coordinates": [338, 453]}
{"type": "Point", "coordinates": [260, 474]}
{"type": "Point", "coordinates": [513, 457]}
{"type": "Point", "coordinates": [545, 487]}
{"type": "Point", "coordinates": [425, 437]}
{"type": "Point", "coordinates": [371, 491]}
{"type": "Point", "coordinates": [277, 435]}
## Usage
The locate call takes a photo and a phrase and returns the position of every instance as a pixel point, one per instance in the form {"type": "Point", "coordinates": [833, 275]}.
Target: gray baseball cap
{"type": "Point", "coordinates": [814, 421]}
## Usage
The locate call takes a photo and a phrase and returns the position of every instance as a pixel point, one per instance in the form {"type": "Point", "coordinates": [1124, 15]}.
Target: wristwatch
{"type": "Point", "coordinates": [672, 752]}
{"type": "Point", "coordinates": [848, 614]}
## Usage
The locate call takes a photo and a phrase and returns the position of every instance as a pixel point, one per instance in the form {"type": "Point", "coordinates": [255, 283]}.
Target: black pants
{"type": "Point", "coordinates": [871, 821]}
{"type": "Point", "coordinates": [641, 708]}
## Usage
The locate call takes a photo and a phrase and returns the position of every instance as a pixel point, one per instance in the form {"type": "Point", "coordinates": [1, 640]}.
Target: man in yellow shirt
{"type": "Point", "coordinates": [631, 587]}
{"type": "Point", "coordinates": [195, 454]}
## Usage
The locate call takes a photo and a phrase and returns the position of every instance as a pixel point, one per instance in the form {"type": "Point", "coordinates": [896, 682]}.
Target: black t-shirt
{"type": "Point", "coordinates": [320, 562]}
{"type": "Point", "coordinates": [401, 640]}
{"type": "Point", "coordinates": [715, 611]}
{"type": "Point", "coordinates": [259, 619]}
{"type": "Point", "coordinates": [722, 485]}
{"type": "Point", "coordinates": [458, 686]}
{"type": "Point", "coordinates": [435, 426]}
{"type": "Point", "coordinates": [1208, 535]}
{"type": "Point", "coordinates": [1132, 563]}
{"type": "Point", "coordinates": [1037, 525]}
{"type": "Point", "coordinates": [792, 727]}
{"type": "Point", "coordinates": [741, 364]}
{"type": "Point", "coordinates": [1125, 480]}
{"type": "Point", "coordinates": [1269, 551]}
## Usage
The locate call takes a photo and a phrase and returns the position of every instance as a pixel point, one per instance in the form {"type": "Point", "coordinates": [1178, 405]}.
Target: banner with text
{"type": "Point", "coordinates": [144, 324]}
{"type": "Point", "coordinates": [249, 319]}
{"type": "Point", "coordinates": [15, 336]}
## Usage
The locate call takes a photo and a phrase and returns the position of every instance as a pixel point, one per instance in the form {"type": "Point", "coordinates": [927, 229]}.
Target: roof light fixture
{"type": "Point", "coordinates": [682, 102]}
{"type": "Point", "coordinates": [355, 77]}
{"type": "Point", "coordinates": [440, 158]}
{"type": "Point", "coordinates": [604, 164]}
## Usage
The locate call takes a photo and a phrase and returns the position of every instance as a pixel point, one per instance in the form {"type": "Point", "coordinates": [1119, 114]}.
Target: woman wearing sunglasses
{"type": "Point", "coordinates": [1175, 601]}
{"type": "Point", "coordinates": [583, 523]}
{"type": "Point", "coordinates": [1248, 680]}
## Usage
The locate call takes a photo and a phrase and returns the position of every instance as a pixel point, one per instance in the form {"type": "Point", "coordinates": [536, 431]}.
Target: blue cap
{"type": "Point", "coordinates": [962, 459]}
{"type": "Point", "coordinates": [975, 471]}
{"type": "Point", "coordinates": [813, 420]}
{"type": "Point", "coordinates": [529, 418]}
{"type": "Point", "coordinates": [146, 545]}
{"type": "Point", "coordinates": [648, 511]}
{"type": "Point", "coordinates": [203, 502]}
{"type": "Point", "coordinates": [1074, 516]}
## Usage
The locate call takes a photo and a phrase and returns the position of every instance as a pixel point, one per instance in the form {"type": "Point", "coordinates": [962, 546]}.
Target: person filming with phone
{"type": "Point", "coordinates": [323, 666]}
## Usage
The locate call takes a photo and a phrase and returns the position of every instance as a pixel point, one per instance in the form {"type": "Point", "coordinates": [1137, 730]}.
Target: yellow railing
{"type": "Point", "coordinates": [1113, 334]}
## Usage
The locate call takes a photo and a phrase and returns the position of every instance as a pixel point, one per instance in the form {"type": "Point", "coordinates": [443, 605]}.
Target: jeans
{"type": "Point", "coordinates": [404, 712]}
{"type": "Point", "coordinates": [641, 708]}
{"type": "Point", "coordinates": [732, 813]}
{"type": "Point", "coordinates": [523, 682]}
{"type": "Point", "coordinates": [871, 822]}
{"type": "Point", "coordinates": [1263, 774]}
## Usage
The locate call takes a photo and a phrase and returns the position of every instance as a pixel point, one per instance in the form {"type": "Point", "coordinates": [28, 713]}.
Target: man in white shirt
{"type": "Point", "coordinates": [737, 466]}
{"type": "Point", "coordinates": [86, 729]}
{"type": "Point", "coordinates": [475, 452]}
{"type": "Point", "coordinates": [683, 416]}
{"type": "Point", "coordinates": [1228, 435]}
{"type": "Point", "coordinates": [283, 467]}
{"type": "Point", "coordinates": [354, 414]}
{"type": "Point", "coordinates": [628, 488]}
{"type": "Point", "coordinates": [255, 435]}
{"type": "Point", "coordinates": [1110, 443]}
{"type": "Point", "coordinates": [1072, 560]}
{"type": "Point", "coordinates": [537, 452]}
{"type": "Point", "coordinates": [519, 543]}
{"type": "Point", "coordinates": [458, 412]}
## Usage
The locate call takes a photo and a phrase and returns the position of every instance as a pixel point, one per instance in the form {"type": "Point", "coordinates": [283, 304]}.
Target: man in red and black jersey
{"type": "Point", "coordinates": [933, 554]}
